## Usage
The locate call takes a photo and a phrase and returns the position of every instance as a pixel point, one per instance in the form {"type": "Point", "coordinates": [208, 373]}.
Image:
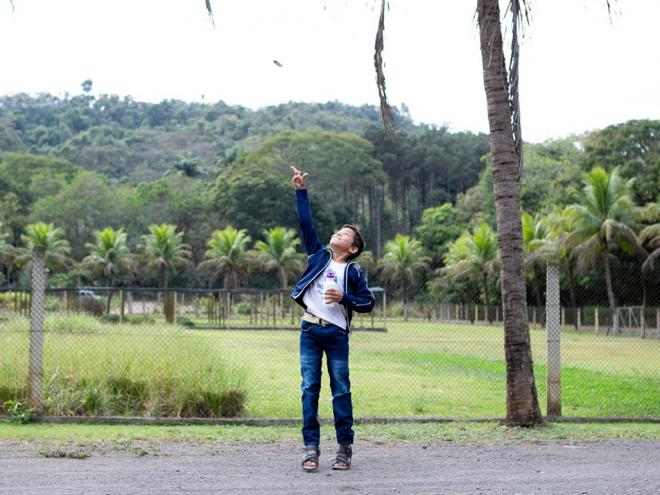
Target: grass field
{"type": "Point", "coordinates": [415, 368]}
{"type": "Point", "coordinates": [123, 436]}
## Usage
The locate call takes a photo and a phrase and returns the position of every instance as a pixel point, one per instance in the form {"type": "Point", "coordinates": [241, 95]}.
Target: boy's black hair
{"type": "Point", "coordinates": [358, 242]}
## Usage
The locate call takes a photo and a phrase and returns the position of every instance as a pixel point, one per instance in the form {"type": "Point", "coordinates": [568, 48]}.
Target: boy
{"type": "Point", "coordinates": [330, 289]}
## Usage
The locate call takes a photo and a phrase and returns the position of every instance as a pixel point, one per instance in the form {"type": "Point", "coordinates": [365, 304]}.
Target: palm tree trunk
{"type": "Point", "coordinates": [485, 282]}
{"type": "Point", "coordinates": [405, 298]}
{"type": "Point", "coordinates": [522, 401]}
{"type": "Point", "coordinates": [108, 284]}
{"type": "Point", "coordinates": [571, 286]}
{"type": "Point", "coordinates": [168, 297]}
{"type": "Point", "coordinates": [611, 298]}
{"type": "Point", "coordinates": [283, 277]}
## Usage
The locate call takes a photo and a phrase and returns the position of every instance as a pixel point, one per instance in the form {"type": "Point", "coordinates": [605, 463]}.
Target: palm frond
{"type": "Point", "coordinates": [620, 235]}
{"type": "Point", "coordinates": [651, 263]}
{"type": "Point", "coordinates": [588, 253]}
{"type": "Point", "coordinates": [385, 109]}
{"type": "Point", "coordinates": [519, 13]}
{"type": "Point", "coordinates": [209, 9]}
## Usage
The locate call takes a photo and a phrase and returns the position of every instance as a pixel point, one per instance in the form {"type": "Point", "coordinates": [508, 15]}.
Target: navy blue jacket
{"type": "Point", "coordinates": [357, 296]}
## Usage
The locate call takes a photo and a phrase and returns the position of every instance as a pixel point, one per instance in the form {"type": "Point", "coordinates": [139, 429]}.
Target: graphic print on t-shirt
{"type": "Point", "coordinates": [329, 283]}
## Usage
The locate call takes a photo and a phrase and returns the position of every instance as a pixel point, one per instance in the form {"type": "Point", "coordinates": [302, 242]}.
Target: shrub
{"type": "Point", "coordinates": [232, 403]}
{"type": "Point", "coordinates": [94, 307]}
{"type": "Point", "coordinates": [7, 300]}
{"type": "Point", "coordinates": [75, 323]}
{"type": "Point", "coordinates": [212, 404]}
{"type": "Point", "coordinates": [140, 320]}
{"type": "Point", "coordinates": [244, 308]}
{"type": "Point", "coordinates": [185, 321]}
{"type": "Point", "coordinates": [128, 396]}
{"type": "Point", "coordinates": [10, 396]}
{"type": "Point", "coordinates": [109, 318]}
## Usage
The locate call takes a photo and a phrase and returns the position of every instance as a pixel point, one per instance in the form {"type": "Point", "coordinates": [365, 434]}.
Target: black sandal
{"type": "Point", "coordinates": [343, 458]}
{"type": "Point", "coordinates": [312, 454]}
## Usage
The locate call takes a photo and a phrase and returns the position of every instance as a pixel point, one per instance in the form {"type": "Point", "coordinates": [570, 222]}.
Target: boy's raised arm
{"type": "Point", "coordinates": [310, 239]}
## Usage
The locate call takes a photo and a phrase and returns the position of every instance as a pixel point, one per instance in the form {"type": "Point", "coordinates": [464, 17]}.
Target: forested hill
{"type": "Point", "coordinates": [131, 141]}
{"type": "Point", "coordinates": [84, 163]}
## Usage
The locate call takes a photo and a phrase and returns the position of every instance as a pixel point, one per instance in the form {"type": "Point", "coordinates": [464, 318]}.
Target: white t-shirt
{"type": "Point", "coordinates": [332, 276]}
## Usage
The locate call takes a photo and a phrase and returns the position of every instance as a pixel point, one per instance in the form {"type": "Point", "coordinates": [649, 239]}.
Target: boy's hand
{"type": "Point", "coordinates": [298, 178]}
{"type": "Point", "coordinates": [333, 295]}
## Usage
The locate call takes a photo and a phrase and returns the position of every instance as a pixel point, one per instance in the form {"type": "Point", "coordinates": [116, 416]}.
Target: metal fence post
{"type": "Point", "coordinates": [36, 351]}
{"type": "Point", "coordinates": [552, 326]}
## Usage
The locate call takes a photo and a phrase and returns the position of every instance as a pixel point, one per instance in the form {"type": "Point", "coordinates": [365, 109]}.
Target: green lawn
{"type": "Point", "coordinates": [415, 368]}
{"type": "Point", "coordinates": [458, 432]}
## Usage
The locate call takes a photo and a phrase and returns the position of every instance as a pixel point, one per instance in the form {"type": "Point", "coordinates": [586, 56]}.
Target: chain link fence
{"type": "Point", "coordinates": [228, 353]}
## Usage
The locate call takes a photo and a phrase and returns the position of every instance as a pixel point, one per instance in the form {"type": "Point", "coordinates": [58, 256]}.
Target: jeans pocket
{"type": "Point", "coordinates": [305, 326]}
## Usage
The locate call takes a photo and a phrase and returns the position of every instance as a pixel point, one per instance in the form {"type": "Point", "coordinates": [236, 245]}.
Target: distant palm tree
{"type": "Point", "coordinates": [602, 221]}
{"type": "Point", "coordinates": [165, 250]}
{"type": "Point", "coordinates": [278, 252]}
{"type": "Point", "coordinates": [108, 254]}
{"type": "Point", "coordinates": [227, 255]}
{"type": "Point", "coordinates": [560, 226]}
{"type": "Point", "coordinates": [536, 249]}
{"type": "Point", "coordinates": [474, 257]}
{"type": "Point", "coordinates": [402, 257]}
{"type": "Point", "coordinates": [45, 246]}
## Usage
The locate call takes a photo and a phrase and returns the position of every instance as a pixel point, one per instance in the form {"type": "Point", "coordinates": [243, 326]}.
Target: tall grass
{"type": "Point", "coordinates": [92, 368]}
{"type": "Point", "coordinates": [415, 368]}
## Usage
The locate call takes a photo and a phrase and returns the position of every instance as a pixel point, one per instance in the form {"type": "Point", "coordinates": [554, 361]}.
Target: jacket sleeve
{"type": "Point", "coordinates": [310, 239]}
{"type": "Point", "coordinates": [361, 299]}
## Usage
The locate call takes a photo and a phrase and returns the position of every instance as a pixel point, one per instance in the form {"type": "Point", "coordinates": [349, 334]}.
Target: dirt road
{"type": "Point", "coordinates": [613, 467]}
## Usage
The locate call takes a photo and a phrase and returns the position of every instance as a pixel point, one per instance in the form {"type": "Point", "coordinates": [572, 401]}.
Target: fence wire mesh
{"type": "Point", "coordinates": [226, 353]}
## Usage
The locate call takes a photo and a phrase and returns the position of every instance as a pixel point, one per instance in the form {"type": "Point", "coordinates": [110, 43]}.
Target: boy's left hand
{"type": "Point", "coordinates": [333, 295]}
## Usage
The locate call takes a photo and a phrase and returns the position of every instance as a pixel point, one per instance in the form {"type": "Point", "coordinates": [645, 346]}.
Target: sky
{"type": "Point", "coordinates": [581, 69]}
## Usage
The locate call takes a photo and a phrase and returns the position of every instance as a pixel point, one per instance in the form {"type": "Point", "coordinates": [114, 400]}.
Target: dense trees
{"type": "Point", "coordinates": [430, 185]}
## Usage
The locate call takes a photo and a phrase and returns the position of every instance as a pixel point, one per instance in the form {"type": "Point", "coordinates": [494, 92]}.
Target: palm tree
{"type": "Point", "coordinates": [402, 257]}
{"type": "Point", "coordinates": [474, 257]}
{"type": "Point", "coordinates": [600, 223]}
{"type": "Point", "coordinates": [165, 250]}
{"type": "Point", "coordinates": [108, 254]}
{"type": "Point", "coordinates": [559, 225]}
{"type": "Point", "coordinates": [44, 246]}
{"type": "Point", "coordinates": [501, 87]}
{"type": "Point", "coordinates": [278, 252]}
{"type": "Point", "coordinates": [227, 255]}
{"type": "Point", "coordinates": [536, 249]}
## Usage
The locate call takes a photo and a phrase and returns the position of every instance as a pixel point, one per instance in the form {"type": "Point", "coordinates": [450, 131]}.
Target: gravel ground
{"type": "Point", "coordinates": [612, 467]}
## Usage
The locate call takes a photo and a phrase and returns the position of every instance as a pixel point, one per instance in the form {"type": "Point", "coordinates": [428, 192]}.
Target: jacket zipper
{"type": "Point", "coordinates": [314, 277]}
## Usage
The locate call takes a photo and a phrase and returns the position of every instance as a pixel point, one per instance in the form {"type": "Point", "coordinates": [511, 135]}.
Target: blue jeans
{"type": "Point", "coordinates": [314, 341]}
